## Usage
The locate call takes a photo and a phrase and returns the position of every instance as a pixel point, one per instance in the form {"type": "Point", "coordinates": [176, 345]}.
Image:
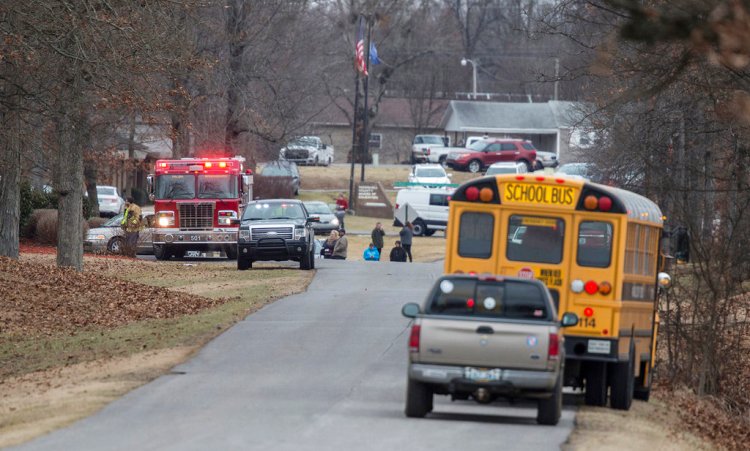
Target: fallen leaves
{"type": "Point", "coordinates": [43, 299]}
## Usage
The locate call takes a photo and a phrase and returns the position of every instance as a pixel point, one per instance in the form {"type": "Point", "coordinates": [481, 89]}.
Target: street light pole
{"type": "Point", "coordinates": [474, 74]}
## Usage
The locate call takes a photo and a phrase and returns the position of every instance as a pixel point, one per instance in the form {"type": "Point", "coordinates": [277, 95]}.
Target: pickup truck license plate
{"type": "Point", "coordinates": [192, 253]}
{"type": "Point", "coordinates": [482, 374]}
{"type": "Point", "coordinates": [599, 346]}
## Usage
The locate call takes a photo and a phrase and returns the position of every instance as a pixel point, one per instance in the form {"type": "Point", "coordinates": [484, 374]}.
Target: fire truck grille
{"type": "Point", "coordinates": [286, 233]}
{"type": "Point", "coordinates": [197, 216]}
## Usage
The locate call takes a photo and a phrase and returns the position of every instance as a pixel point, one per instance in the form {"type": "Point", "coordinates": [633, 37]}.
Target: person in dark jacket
{"type": "Point", "coordinates": [406, 234]}
{"type": "Point", "coordinates": [398, 254]}
{"type": "Point", "coordinates": [377, 238]}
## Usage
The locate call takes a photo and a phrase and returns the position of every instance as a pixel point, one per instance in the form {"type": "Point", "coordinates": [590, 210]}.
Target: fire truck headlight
{"type": "Point", "coordinates": [166, 219]}
{"type": "Point", "coordinates": [226, 216]}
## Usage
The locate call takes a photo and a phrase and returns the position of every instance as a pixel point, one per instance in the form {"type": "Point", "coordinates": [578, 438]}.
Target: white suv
{"type": "Point", "coordinates": [429, 175]}
{"type": "Point", "coordinates": [110, 202]}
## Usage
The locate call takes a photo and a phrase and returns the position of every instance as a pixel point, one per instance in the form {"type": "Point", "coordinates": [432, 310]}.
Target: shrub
{"type": "Point", "coordinates": [46, 227]}
{"type": "Point", "coordinates": [273, 187]}
{"type": "Point", "coordinates": [33, 199]}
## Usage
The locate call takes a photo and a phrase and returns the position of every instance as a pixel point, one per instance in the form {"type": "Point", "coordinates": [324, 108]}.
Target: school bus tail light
{"type": "Point", "coordinates": [472, 193]}
{"type": "Point", "coordinates": [605, 203]}
{"type": "Point", "coordinates": [486, 195]}
{"type": "Point", "coordinates": [588, 312]}
{"type": "Point", "coordinates": [591, 287]}
{"type": "Point", "coordinates": [605, 288]}
{"type": "Point", "coordinates": [576, 286]}
{"type": "Point", "coordinates": [590, 202]}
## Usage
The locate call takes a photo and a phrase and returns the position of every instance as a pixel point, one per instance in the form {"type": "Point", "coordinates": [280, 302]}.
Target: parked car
{"type": "Point", "coordinates": [506, 168]}
{"type": "Point", "coordinates": [281, 168]}
{"type": "Point", "coordinates": [109, 237]}
{"type": "Point", "coordinates": [110, 201]}
{"type": "Point", "coordinates": [420, 148]}
{"type": "Point", "coordinates": [425, 208]}
{"type": "Point", "coordinates": [276, 229]}
{"type": "Point", "coordinates": [581, 171]}
{"type": "Point", "coordinates": [328, 220]}
{"type": "Point", "coordinates": [429, 175]}
{"type": "Point", "coordinates": [486, 338]}
{"type": "Point", "coordinates": [307, 150]}
{"type": "Point", "coordinates": [546, 159]}
{"type": "Point", "coordinates": [482, 154]}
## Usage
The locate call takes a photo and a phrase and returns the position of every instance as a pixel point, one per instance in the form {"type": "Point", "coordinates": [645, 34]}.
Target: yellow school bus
{"type": "Point", "coordinates": [595, 247]}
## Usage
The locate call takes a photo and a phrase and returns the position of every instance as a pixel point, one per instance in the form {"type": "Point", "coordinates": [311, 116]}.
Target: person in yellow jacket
{"type": "Point", "coordinates": [132, 224]}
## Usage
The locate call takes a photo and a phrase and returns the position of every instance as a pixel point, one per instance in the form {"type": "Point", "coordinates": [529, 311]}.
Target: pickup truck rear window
{"type": "Point", "coordinates": [506, 299]}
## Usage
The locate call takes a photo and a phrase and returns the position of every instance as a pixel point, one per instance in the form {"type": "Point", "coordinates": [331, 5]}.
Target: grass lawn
{"type": "Point", "coordinates": [336, 177]}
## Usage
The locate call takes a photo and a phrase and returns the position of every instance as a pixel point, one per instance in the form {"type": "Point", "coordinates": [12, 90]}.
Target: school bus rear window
{"type": "Point", "coordinates": [475, 235]}
{"type": "Point", "coordinates": [594, 244]}
{"type": "Point", "coordinates": [535, 239]}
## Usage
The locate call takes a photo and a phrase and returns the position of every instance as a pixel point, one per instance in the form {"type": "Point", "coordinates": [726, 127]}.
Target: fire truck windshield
{"type": "Point", "coordinates": [174, 186]}
{"type": "Point", "coordinates": [218, 186]}
{"type": "Point", "coordinates": [209, 186]}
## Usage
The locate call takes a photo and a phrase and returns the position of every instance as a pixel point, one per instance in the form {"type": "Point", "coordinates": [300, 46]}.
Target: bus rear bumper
{"type": "Point", "coordinates": [591, 349]}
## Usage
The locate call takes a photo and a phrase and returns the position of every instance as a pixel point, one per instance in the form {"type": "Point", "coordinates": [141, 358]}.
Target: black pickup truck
{"type": "Point", "coordinates": [277, 230]}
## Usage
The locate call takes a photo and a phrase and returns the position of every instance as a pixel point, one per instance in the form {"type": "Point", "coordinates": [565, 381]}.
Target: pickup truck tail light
{"type": "Point", "coordinates": [554, 347]}
{"type": "Point", "coordinates": [414, 338]}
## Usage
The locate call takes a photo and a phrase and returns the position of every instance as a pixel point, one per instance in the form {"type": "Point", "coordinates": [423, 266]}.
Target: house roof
{"type": "Point", "coordinates": [504, 117]}
{"type": "Point", "coordinates": [392, 112]}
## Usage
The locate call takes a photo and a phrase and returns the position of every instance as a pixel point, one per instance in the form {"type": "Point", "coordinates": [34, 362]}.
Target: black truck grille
{"type": "Point", "coordinates": [197, 216]}
{"type": "Point", "coordinates": [286, 233]}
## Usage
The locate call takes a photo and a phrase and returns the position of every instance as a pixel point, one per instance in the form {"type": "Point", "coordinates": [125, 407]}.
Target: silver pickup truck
{"type": "Point", "coordinates": [486, 338]}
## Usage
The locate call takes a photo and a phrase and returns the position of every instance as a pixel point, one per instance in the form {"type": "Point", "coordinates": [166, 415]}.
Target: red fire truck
{"type": "Point", "coordinates": [195, 200]}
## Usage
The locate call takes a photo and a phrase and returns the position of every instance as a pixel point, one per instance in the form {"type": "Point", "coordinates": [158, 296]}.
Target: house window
{"type": "Point", "coordinates": [375, 140]}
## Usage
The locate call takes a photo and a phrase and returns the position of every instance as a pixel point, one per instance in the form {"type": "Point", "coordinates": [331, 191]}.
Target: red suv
{"type": "Point", "coordinates": [482, 154]}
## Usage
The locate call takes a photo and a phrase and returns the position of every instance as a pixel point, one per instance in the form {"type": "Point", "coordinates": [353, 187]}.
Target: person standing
{"type": "Point", "coordinates": [132, 223]}
{"type": "Point", "coordinates": [406, 234]}
{"type": "Point", "coordinates": [342, 205]}
{"type": "Point", "coordinates": [377, 238]}
{"type": "Point", "coordinates": [371, 254]}
{"type": "Point", "coordinates": [397, 253]}
{"type": "Point", "coordinates": [339, 250]}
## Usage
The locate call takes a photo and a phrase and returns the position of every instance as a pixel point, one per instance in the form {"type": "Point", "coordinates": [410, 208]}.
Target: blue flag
{"type": "Point", "coordinates": [374, 54]}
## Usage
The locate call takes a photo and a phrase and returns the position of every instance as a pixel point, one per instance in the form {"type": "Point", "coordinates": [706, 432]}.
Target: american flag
{"type": "Point", "coordinates": [360, 49]}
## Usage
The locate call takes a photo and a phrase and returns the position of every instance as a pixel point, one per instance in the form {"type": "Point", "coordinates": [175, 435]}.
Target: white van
{"type": "Point", "coordinates": [425, 208]}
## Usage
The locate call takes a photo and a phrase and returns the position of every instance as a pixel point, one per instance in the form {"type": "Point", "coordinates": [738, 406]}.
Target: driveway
{"type": "Point", "coordinates": [322, 370]}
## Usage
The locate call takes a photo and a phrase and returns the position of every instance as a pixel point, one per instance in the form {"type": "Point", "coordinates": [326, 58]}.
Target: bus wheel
{"type": "Point", "coordinates": [623, 383]}
{"type": "Point", "coordinates": [596, 383]}
{"type": "Point", "coordinates": [642, 390]}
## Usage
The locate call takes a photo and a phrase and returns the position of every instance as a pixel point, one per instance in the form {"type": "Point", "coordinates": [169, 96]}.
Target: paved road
{"type": "Point", "coordinates": [323, 370]}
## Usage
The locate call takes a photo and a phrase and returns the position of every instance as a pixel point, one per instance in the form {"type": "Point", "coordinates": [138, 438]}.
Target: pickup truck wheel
{"type": "Point", "coordinates": [162, 252]}
{"type": "Point", "coordinates": [475, 166]}
{"type": "Point", "coordinates": [115, 245]}
{"type": "Point", "coordinates": [419, 227]}
{"type": "Point", "coordinates": [442, 160]}
{"type": "Point", "coordinates": [317, 162]}
{"type": "Point", "coordinates": [306, 261]}
{"type": "Point", "coordinates": [231, 251]}
{"type": "Point", "coordinates": [418, 399]}
{"type": "Point", "coordinates": [244, 264]}
{"type": "Point", "coordinates": [549, 410]}
{"type": "Point", "coordinates": [596, 383]}
{"type": "Point", "coordinates": [623, 382]}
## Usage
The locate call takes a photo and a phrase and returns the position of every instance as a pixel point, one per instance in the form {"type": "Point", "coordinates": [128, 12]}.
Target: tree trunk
{"type": "Point", "coordinates": [70, 188]}
{"type": "Point", "coordinates": [90, 175]}
{"type": "Point", "coordinates": [10, 180]}
{"type": "Point", "coordinates": [237, 12]}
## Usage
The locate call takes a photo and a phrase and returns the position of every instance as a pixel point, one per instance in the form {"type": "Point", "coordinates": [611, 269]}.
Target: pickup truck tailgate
{"type": "Point", "coordinates": [490, 344]}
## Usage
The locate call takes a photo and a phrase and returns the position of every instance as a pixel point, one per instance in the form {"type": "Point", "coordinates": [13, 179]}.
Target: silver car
{"type": "Point", "coordinates": [111, 238]}
{"type": "Point", "coordinates": [328, 220]}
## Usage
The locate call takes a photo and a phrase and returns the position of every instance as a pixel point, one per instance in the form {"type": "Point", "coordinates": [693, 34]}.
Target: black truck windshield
{"type": "Point", "coordinates": [273, 210]}
{"type": "Point", "coordinates": [175, 186]}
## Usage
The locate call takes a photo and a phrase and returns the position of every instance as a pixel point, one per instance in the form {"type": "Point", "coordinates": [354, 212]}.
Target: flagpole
{"type": "Point", "coordinates": [354, 131]}
{"type": "Point", "coordinates": [354, 137]}
{"type": "Point", "coordinates": [366, 138]}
